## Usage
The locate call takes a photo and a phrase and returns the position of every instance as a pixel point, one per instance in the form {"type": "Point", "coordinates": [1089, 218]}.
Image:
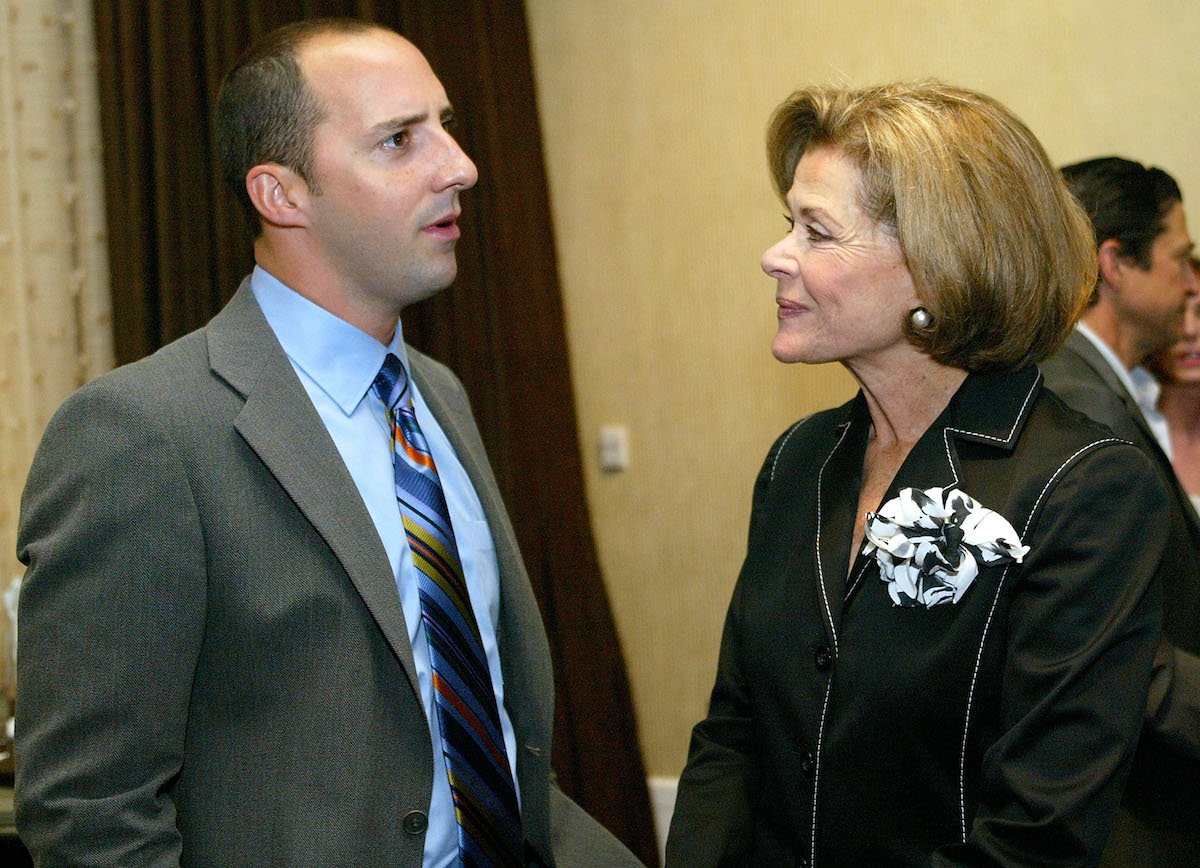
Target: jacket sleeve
{"type": "Point", "coordinates": [1079, 635]}
{"type": "Point", "coordinates": [579, 841]}
{"type": "Point", "coordinates": [112, 615]}
{"type": "Point", "coordinates": [1173, 707]}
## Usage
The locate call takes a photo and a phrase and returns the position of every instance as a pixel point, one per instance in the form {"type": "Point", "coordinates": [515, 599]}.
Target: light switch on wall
{"type": "Point", "coordinates": [614, 448]}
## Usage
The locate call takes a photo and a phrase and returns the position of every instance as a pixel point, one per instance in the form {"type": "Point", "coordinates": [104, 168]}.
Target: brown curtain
{"type": "Point", "coordinates": [179, 249]}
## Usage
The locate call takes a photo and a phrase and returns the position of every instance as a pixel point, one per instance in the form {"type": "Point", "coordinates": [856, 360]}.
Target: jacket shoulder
{"type": "Point", "coordinates": [1075, 380]}
{"type": "Point", "coordinates": [165, 379]}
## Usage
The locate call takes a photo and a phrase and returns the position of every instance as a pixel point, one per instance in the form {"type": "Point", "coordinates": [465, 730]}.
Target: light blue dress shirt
{"type": "Point", "coordinates": [337, 364]}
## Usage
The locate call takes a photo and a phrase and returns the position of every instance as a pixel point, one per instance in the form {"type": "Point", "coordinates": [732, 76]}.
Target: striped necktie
{"type": "Point", "coordinates": [481, 781]}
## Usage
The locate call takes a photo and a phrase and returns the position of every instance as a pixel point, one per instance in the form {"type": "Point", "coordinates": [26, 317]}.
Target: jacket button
{"type": "Point", "coordinates": [415, 822]}
{"type": "Point", "coordinates": [808, 765]}
{"type": "Point", "coordinates": [823, 658]}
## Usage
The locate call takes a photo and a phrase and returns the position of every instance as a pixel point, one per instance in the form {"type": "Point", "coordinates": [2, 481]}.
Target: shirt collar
{"type": "Point", "coordinates": [342, 360]}
{"type": "Point", "coordinates": [1114, 362]}
{"type": "Point", "coordinates": [1145, 389]}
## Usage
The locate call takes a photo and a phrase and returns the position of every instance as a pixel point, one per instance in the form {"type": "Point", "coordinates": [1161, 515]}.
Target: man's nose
{"type": "Point", "coordinates": [458, 170]}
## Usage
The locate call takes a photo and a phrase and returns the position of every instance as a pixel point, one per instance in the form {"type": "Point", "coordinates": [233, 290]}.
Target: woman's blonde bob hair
{"type": "Point", "coordinates": [999, 251]}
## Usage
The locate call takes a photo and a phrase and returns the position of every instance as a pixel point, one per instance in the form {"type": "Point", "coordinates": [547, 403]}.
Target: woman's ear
{"type": "Point", "coordinates": [279, 194]}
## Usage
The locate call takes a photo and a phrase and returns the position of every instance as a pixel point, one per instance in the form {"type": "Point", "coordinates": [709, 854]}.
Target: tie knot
{"type": "Point", "coordinates": [391, 382]}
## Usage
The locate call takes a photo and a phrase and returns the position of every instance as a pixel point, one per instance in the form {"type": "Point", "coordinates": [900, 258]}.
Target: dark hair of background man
{"type": "Point", "coordinates": [1125, 200]}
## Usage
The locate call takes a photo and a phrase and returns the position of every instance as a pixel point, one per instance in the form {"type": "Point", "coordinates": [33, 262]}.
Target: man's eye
{"type": "Point", "coordinates": [399, 140]}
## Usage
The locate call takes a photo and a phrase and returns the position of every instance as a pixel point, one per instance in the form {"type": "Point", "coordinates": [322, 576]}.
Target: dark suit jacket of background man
{"type": "Point", "coordinates": [1160, 818]}
{"type": "Point", "coordinates": [232, 681]}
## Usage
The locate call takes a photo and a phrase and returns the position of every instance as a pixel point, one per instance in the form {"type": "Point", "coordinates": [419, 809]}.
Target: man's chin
{"type": "Point", "coordinates": [429, 285]}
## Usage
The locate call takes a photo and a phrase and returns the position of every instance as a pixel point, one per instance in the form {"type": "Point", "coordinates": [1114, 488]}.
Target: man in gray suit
{"type": "Point", "coordinates": [225, 659]}
{"type": "Point", "coordinates": [1137, 309]}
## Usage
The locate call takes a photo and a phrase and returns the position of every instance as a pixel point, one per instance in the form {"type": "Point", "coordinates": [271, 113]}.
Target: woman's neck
{"type": "Point", "coordinates": [904, 401]}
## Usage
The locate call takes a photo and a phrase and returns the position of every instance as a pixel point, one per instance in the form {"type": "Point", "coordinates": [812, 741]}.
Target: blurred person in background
{"type": "Point", "coordinates": [1177, 370]}
{"type": "Point", "coordinates": [1141, 287]}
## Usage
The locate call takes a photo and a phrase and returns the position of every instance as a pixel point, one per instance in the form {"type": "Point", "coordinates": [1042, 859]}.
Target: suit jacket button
{"type": "Point", "coordinates": [823, 658]}
{"type": "Point", "coordinates": [808, 765]}
{"type": "Point", "coordinates": [415, 822]}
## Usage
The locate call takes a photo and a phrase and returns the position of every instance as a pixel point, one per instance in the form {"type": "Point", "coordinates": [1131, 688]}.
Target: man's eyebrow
{"type": "Point", "coordinates": [399, 123]}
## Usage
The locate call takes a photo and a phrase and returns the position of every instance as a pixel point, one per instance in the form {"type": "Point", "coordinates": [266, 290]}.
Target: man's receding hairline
{"type": "Point", "coordinates": [304, 45]}
{"type": "Point", "coordinates": [337, 36]}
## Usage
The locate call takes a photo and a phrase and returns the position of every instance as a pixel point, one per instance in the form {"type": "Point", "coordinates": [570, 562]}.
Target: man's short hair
{"type": "Point", "coordinates": [266, 112]}
{"type": "Point", "coordinates": [999, 252]}
{"type": "Point", "coordinates": [1125, 200]}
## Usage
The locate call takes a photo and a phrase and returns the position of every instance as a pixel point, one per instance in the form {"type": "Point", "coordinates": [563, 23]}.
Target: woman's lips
{"type": "Point", "coordinates": [1188, 360]}
{"type": "Point", "coordinates": [788, 308]}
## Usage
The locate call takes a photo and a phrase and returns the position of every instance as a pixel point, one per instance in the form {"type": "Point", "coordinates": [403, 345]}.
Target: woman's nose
{"type": "Point", "coordinates": [775, 261]}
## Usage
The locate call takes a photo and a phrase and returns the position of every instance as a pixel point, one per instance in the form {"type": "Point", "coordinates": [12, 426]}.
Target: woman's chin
{"type": "Point", "coordinates": [789, 350]}
{"type": "Point", "coordinates": [1188, 379]}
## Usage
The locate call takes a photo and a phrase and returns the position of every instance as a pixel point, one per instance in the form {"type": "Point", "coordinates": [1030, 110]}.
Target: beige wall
{"type": "Point", "coordinates": [653, 117]}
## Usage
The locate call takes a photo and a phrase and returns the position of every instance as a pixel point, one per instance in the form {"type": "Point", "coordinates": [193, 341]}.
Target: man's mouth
{"type": "Point", "coordinates": [446, 227]}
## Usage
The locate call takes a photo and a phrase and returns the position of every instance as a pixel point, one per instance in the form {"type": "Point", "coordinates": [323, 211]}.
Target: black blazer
{"type": "Point", "coordinates": [846, 730]}
{"type": "Point", "coordinates": [1159, 823]}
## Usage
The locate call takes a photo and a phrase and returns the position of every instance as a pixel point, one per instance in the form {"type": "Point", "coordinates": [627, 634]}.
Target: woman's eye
{"type": "Point", "coordinates": [791, 221]}
{"type": "Point", "coordinates": [815, 233]}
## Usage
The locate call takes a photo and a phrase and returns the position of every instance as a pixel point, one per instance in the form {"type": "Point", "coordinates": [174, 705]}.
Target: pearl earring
{"type": "Point", "coordinates": [920, 318]}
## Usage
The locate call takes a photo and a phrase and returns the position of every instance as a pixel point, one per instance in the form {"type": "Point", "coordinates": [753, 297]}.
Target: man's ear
{"type": "Point", "coordinates": [1112, 261]}
{"type": "Point", "coordinates": [279, 194]}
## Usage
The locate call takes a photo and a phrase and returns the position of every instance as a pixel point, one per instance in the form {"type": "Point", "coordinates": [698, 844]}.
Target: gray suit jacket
{"type": "Point", "coordinates": [1158, 824]}
{"type": "Point", "coordinates": [214, 664]}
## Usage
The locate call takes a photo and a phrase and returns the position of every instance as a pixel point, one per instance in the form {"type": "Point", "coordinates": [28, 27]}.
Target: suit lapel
{"type": "Point", "coordinates": [838, 482]}
{"type": "Point", "coordinates": [1078, 344]}
{"type": "Point", "coordinates": [1082, 347]}
{"type": "Point", "coordinates": [459, 429]}
{"type": "Point", "coordinates": [520, 632]}
{"type": "Point", "coordinates": [279, 423]}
